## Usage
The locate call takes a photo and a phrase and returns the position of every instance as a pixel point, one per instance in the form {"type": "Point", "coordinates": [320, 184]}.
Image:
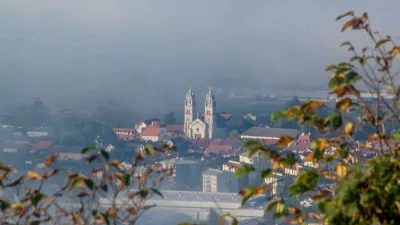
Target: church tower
{"type": "Point", "coordinates": [190, 111]}
{"type": "Point", "coordinates": [209, 112]}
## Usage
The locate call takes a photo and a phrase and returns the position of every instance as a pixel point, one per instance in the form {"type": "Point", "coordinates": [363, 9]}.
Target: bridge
{"type": "Point", "coordinates": [197, 204]}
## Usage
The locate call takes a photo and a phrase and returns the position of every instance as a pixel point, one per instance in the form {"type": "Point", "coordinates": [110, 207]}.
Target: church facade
{"type": "Point", "coordinates": [194, 127]}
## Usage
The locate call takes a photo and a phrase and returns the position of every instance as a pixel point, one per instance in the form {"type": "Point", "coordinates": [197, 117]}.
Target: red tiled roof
{"type": "Point", "coordinates": [174, 128]}
{"type": "Point", "coordinates": [151, 131]}
{"type": "Point", "coordinates": [269, 141]}
{"type": "Point", "coordinates": [44, 144]}
{"type": "Point", "coordinates": [200, 143]}
{"type": "Point", "coordinates": [299, 146]}
{"type": "Point", "coordinates": [118, 129]}
{"type": "Point", "coordinates": [304, 138]}
{"type": "Point", "coordinates": [218, 145]}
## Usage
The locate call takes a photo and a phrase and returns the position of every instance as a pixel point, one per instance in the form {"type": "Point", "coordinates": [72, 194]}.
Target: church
{"type": "Point", "coordinates": [195, 127]}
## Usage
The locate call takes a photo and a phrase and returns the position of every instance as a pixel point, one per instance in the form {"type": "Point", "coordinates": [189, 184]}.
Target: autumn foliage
{"type": "Point", "coordinates": [83, 199]}
{"type": "Point", "coordinates": [365, 191]}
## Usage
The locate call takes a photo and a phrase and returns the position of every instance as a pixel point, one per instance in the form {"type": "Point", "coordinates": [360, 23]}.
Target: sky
{"type": "Point", "coordinates": [148, 52]}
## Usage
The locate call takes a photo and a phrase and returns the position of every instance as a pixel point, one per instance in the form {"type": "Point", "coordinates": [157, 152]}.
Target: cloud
{"type": "Point", "coordinates": [148, 52]}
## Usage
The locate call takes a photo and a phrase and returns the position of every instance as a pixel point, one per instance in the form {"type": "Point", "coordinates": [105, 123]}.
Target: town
{"type": "Point", "coordinates": [210, 149]}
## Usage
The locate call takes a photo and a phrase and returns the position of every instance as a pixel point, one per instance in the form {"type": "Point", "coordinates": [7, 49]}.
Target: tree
{"type": "Point", "coordinates": [366, 191]}
{"type": "Point", "coordinates": [99, 179]}
{"type": "Point", "coordinates": [233, 134]}
{"type": "Point", "coordinates": [169, 118]}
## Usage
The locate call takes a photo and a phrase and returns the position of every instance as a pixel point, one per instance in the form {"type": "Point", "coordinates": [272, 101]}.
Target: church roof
{"type": "Point", "coordinates": [199, 121]}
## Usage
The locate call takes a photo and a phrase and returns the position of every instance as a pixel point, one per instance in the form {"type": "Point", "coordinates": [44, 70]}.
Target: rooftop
{"type": "Point", "coordinates": [267, 132]}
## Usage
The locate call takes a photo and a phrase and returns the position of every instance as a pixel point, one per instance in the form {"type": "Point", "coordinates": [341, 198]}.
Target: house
{"type": "Point", "coordinates": [69, 152]}
{"type": "Point", "coordinates": [139, 126]}
{"type": "Point", "coordinates": [218, 145]}
{"type": "Point", "coordinates": [188, 173]}
{"type": "Point", "coordinates": [199, 144]}
{"type": "Point", "coordinates": [10, 147]}
{"type": "Point", "coordinates": [220, 181]}
{"type": "Point", "coordinates": [262, 133]}
{"type": "Point", "coordinates": [302, 144]}
{"type": "Point", "coordinates": [40, 145]}
{"type": "Point", "coordinates": [174, 130]}
{"type": "Point", "coordinates": [109, 148]}
{"type": "Point", "coordinates": [125, 134]}
{"type": "Point", "coordinates": [40, 132]}
{"type": "Point", "coordinates": [231, 166]}
{"type": "Point", "coordinates": [154, 133]}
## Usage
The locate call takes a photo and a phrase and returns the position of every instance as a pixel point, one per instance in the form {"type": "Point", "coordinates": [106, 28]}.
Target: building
{"type": "Point", "coordinates": [40, 132]}
{"type": "Point", "coordinates": [194, 127]}
{"type": "Point", "coordinates": [154, 133]}
{"type": "Point", "coordinates": [126, 134]}
{"type": "Point", "coordinates": [188, 174]}
{"type": "Point", "coordinates": [139, 126]}
{"type": "Point", "coordinates": [10, 147]}
{"type": "Point", "coordinates": [220, 181]}
{"type": "Point", "coordinates": [266, 133]}
{"type": "Point", "coordinates": [174, 130]}
{"type": "Point", "coordinates": [231, 166]}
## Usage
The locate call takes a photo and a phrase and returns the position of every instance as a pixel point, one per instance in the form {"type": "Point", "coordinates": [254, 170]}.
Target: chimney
{"type": "Point", "coordinates": [302, 134]}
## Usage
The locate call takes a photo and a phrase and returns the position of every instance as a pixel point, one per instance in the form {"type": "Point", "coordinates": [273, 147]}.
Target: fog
{"type": "Point", "coordinates": [146, 53]}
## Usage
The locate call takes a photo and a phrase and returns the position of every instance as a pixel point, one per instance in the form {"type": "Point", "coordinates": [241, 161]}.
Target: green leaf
{"type": "Point", "coordinates": [335, 81]}
{"type": "Point", "coordinates": [272, 205]}
{"type": "Point", "coordinates": [243, 170]}
{"type": "Point", "coordinates": [343, 104]}
{"type": "Point", "coordinates": [352, 77]}
{"type": "Point", "coordinates": [290, 158]}
{"type": "Point", "coordinates": [361, 60]}
{"type": "Point", "coordinates": [280, 206]}
{"type": "Point", "coordinates": [4, 167]}
{"type": "Point", "coordinates": [266, 173]}
{"type": "Point", "coordinates": [37, 198]}
{"type": "Point", "coordinates": [349, 13]}
{"type": "Point", "coordinates": [251, 144]}
{"type": "Point", "coordinates": [305, 182]}
{"type": "Point", "coordinates": [396, 135]}
{"type": "Point", "coordinates": [87, 149]}
{"type": "Point", "coordinates": [104, 187]}
{"type": "Point", "coordinates": [324, 205]}
{"type": "Point", "coordinates": [89, 183]}
{"type": "Point", "coordinates": [149, 150]}
{"type": "Point", "coordinates": [105, 154]}
{"type": "Point", "coordinates": [277, 115]}
{"type": "Point", "coordinates": [345, 43]}
{"type": "Point", "coordinates": [127, 179]}
{"type": "Point", "coordinates": [247, 193]}
{"type": "Point", "coordinates": [382, 41]}
{"type": "Point", "coordinates": [35, 222]}
{"type": "Point", "coordinates": [78, 182]}
{"type": "Point", "coordinates": [157, 192]}
{"type": "Point", "coordinates": [4, 204]}
{"type": "Point", "coordinates": [144, 193]}
{"type": "Point", "coordinates": [253, 151]}
{"type": "Point", "coordinates": [284, 141]}
{"type": "Point", "coordinates": [335, 119]}
{"type": "Point", "coordinates": [331, 68]}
